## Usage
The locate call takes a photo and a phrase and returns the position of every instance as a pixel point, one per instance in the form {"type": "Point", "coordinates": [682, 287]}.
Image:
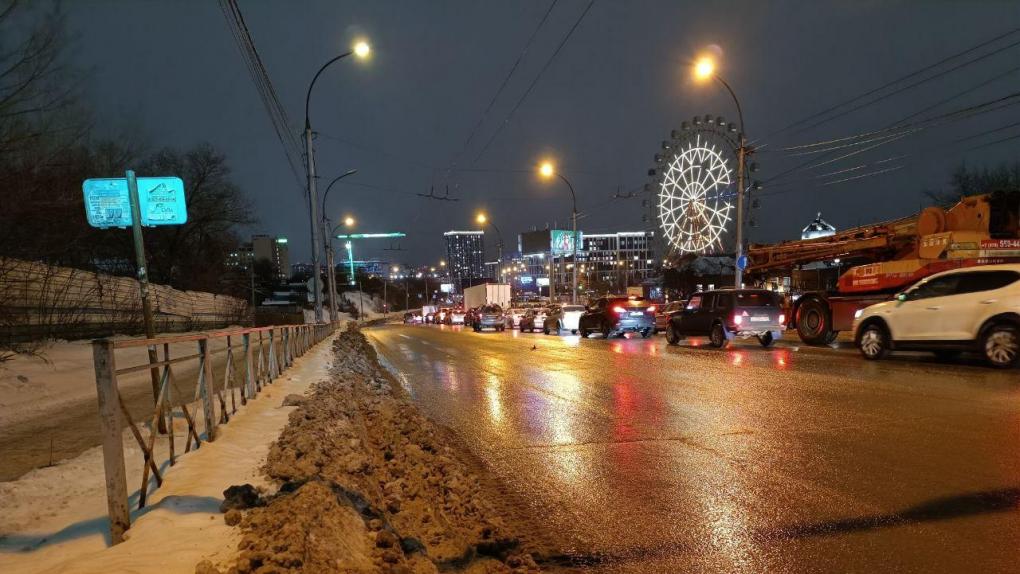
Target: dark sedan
{"type": "Point", "coordinates": [489, 317]}
{"type": "Point", "coordinates": [614, 316]}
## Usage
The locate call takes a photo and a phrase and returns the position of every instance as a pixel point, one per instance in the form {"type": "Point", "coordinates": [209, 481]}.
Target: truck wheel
{"type": "Point", "coordinates": [831, 337]}
{"type": "Point", "coordinates": [813, 323]}
{"type": "Point", "coordinates": [874, 342]}
{"type": "Point", "coordinates": [1001, 345]}
{"type": "Point", "coordinates": [718, 337]}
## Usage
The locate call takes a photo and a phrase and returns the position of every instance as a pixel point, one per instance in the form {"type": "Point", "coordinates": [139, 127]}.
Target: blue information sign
{"type": "Point", "coordinates": [160, 199]}
{"type": "Point", "coordinates": [742, 262]}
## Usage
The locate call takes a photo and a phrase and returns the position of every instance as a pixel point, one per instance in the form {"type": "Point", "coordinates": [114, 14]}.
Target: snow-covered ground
{"type": "Point", "coordinates": [360, 301]}
{"type": "Point", "coordinates": [63, 375]}
{"type": "Point", "coordinates": [54, 519]}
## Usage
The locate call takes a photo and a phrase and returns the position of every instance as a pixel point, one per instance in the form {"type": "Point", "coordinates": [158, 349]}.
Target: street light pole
{"type": "Point", "coordinates": [547, 170]}
{"type": "Point", "coordinates": [328, 236]}
{"type": "Point", "coordinates": [573, 218]}
{"type": "Point", "coordinates": [704, 68]}
{"type": "Point", "coordinates": [741, 191]}
{"type": "Point", "coordinates": [313, 200]}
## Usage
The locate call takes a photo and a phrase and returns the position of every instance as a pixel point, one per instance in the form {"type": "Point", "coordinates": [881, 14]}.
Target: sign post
{"type": "Point", "coordinates": [116, 202]}
{"type": "Point", "coordinates": [143, 282]}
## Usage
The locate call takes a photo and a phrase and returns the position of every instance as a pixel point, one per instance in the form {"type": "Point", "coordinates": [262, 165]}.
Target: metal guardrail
{"type": "Point", "coordinates": [267, 352]}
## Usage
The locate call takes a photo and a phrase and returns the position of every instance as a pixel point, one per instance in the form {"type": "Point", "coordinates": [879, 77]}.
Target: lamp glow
{"type": "Point", "coordinates": [704, 68]}
{"type": "Point", "coordinates": [362, 49]}
{"type": "Point", "coordinates": [547, 169]}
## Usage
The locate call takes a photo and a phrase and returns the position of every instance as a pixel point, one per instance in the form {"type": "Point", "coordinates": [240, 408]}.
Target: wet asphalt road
{"type": "Point", "coordinates": [641, 457]}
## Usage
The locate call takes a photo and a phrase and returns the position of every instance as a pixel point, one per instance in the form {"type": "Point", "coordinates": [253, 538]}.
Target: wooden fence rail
{"type": "Point", "coordinates": [267, 352]}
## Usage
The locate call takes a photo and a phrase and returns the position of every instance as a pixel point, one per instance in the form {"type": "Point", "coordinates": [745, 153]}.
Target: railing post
{"type": "Point", "coordinates": [205, 380]}
{"type": "Point", "coordinates": [274, 366]}
{"type": "Point", "coordinates": [288, 341]}
{"type": "Point", "coordinates": [249, 378]}
{"type": "Point", "coordinates": [113, 446]}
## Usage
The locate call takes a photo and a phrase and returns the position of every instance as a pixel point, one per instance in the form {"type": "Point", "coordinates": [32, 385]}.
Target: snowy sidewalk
{"type": "Point", "coordinates": [66, 504]}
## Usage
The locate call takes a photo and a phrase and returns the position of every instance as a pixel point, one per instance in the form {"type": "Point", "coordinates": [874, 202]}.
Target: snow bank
{"type": "Point", "coordinates": [368, 484]}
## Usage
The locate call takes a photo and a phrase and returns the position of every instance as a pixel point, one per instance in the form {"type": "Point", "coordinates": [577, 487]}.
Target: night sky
{"type": "Point", "coordinates": [169, 73]}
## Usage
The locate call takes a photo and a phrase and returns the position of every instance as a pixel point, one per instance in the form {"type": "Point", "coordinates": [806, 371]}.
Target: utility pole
{"type": "Point", "coordinates": [330, 271]}
{"type": "Point", "coordinates": [573, 290]}
{"type": "Point", "coordinates": [741, 153]}
{"type": "Point", "coordinates": [313, 206]}
{"type": "Point", "coordinates": [143, 284]}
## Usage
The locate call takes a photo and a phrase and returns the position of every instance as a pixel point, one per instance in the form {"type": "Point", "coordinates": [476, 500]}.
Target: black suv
{"type": "Point", "coordinates": [725, 314]}
{"type": "Point", "coordinates": [617, 315]}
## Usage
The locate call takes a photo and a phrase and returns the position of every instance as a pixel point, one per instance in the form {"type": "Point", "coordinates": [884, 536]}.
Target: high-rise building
{"type": "Point", "coordinates": [465, 252]}
{"type": "Point", "coordinates": [621, 259]}
{"type": "Point", "coordinates": [274, 250]}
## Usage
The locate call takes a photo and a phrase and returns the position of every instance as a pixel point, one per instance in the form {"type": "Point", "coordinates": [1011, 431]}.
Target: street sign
{"type": "Point", "coordinates": [160, 199]}
{"type": "Point", "coordinates": [742, 262]}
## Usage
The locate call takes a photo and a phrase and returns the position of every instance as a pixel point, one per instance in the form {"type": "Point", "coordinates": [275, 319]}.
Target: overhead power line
{"type": "Point", "coordinates": [890, 84]}
{"type": "Point", "coordinates": [259, 76]}
{"type": "Point", "coordinates": [911, 86]}
{"type": "Point", "coordinates": [534, 82]}
{"type": "Point", "coordinates": [502, 86]}
{"type": "Point", "coordinates": [904, 130]}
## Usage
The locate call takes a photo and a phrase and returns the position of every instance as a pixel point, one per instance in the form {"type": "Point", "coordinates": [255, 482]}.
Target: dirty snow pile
{"type": "Point", "coordinates": [366, 483]}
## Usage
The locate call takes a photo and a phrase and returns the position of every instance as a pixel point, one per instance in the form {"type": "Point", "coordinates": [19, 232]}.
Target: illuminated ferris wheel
{"type": "Point", "coordinates": [695, 186]}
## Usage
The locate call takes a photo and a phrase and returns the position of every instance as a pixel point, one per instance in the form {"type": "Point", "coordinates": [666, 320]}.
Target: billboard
{"type": "Point", "coordinates": [562, 242]}
{"type": "Point", "coordinates": [535, 242]}
{"type": "Point", "coordinates": [555, 241]}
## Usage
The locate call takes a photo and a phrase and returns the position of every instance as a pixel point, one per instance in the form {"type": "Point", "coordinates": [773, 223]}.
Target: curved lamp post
{"type": "Point", "coordinates": [704, 70]}
{"type": "Point", "coordinates": [482, 219]}
{"type": "Point", "coordinates": [327, 234]}
{"type": "Point", "coordinates": [361, 50]}
{"type": "Point", "coordinates": [548, 170]}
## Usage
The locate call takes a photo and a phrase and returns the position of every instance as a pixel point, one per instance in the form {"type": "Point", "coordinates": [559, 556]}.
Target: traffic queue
{"type": "Point", "coordinates": [967, 310]}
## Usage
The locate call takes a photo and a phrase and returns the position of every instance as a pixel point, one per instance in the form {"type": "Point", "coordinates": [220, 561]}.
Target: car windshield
{"type": "Point", "coordinates": [756, 299]}
{"type": "Point", "coordinates": [491, 309]}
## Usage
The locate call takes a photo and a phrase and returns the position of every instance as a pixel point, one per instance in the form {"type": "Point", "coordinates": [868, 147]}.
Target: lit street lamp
{"type": "Point", "coordinates": [361, 50]}
{"type": "Point", "coordinates": [328, 236]}
{"type": "Point", "coordinates": [705, 69]}
{"type": "Point", "coordinates": [547, 170]}
{"type": "Point", "coordinates": [482, 220]}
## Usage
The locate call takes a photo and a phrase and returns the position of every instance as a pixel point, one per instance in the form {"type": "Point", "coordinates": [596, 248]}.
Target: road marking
{"type": "Point", "coordinates": [405, 336]}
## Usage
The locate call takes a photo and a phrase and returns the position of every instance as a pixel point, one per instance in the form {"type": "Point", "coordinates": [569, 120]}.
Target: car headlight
{"type": "Point", "coordinates": [858, 313]}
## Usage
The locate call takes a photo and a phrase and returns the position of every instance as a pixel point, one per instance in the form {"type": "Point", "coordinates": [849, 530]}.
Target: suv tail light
{"type": "Point", "coordinates": [619, 310]}
{"type": "Point", "coordinates": [651, 309]}
{"type": "Point", "coordinates": [782, 319]}
{"type": "Point", "coordinates": [739, 318]}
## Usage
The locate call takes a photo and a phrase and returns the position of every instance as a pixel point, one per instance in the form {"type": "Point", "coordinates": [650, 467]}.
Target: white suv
{"type": "Point", "coordinates": [970, 309]}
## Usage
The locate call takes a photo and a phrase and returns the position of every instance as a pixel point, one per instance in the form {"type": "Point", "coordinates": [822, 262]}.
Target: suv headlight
{"type": "Point", "coordinates": [858, 313]}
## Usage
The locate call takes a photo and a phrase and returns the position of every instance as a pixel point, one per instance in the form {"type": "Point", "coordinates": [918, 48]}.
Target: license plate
{"type": "Point", "coordinates": [759, 319]}
{"type": "Point", "coordinates": [636, 314]}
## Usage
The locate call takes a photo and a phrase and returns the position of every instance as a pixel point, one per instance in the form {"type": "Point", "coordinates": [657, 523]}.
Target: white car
{"type": "Point", "coordinates": [513, 318]}
{"type": "Point", "coordinates": [561, 318]}
{"type": "Point", "coordinates": [970, 309]}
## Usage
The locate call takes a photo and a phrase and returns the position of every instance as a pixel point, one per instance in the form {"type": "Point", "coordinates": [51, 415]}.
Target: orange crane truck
{"type": "Point", "coordinates": [889, 256]}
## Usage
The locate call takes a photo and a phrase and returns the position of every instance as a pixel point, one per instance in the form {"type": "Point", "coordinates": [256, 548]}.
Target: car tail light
{"type": "Point", "coordinates": [739, 318]}
{"type": "Point", "coordinates": [782, 319]}
{"type": "Point", "coordinates": [651, 309]}
{"type": "Point", "coordinates": [619, 310]}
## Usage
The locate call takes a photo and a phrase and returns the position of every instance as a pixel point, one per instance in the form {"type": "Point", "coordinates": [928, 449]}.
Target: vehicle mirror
{"type": "Point", "coordinates": [901, 297]}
